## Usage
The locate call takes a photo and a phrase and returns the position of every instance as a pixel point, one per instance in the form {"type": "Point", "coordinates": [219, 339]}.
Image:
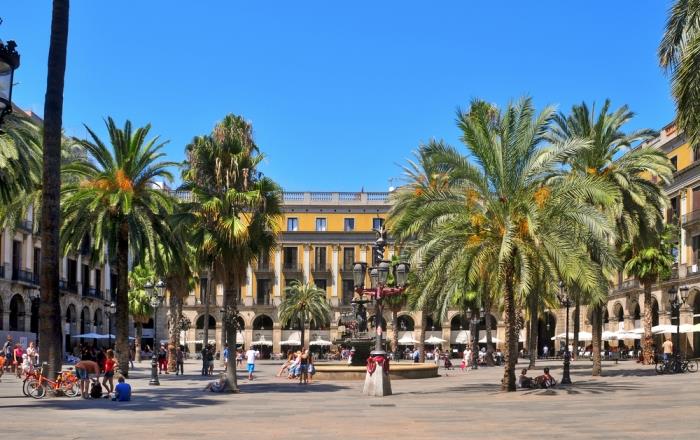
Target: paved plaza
{"type": "Point", "coordinates": [630, 401]}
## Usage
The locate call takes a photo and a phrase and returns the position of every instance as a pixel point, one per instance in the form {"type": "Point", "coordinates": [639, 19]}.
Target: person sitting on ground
{"type": "Point", "coordinates": [546, 380]}
{"type": "Point", "coordinates": [122, 392]}
{"type": "Point", "coordinates": [523, 380]}
{"type": "Point", "coordinates": [217, 386]}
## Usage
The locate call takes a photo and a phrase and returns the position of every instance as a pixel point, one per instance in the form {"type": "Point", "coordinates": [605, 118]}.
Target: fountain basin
{"type": "Point", "coordinates": [397, 370]}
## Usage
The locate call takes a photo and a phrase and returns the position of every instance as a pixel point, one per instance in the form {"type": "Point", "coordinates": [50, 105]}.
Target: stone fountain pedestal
{"type": "Point", "coordinates": [377, 383]}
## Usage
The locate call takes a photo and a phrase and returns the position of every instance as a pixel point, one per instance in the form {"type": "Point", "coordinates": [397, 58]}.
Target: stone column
{"type": "Point", "coordinates": [248, 298]}
{"type": "Point", "coordinates": [276, 287]}
{"type": "Point", "coordinates": [363, 253]}
{"type": "Point", "coordinates": [29, 252]}
{"type": "Point", "coordinates": [79, 275]}
{"type": "Point", "coordinates": [276, 337]}
{"type": "Point", "coordinates": [64, 269]}
{"type": "Point", "coordinates": [7, 254]}
{"type": "Point", "coordinates": [334, 272]}
{"type": "Point", "coordinates": [307, 262]}
{"type": "Point", "coordinates": [6, 319]}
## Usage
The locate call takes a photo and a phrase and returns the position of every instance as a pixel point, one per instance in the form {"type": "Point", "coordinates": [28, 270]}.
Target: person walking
{"type": "Point", "coordinates": [668, 348]}
{"type": "Point", "coordinates": [304, 367]}
{"type": "Point", "coordinates": [33, 354]}
{"type": "Point", "coordinates": [251, 355]}
{"type": "Point", "coordinates": [179, 362]}
{"type": "Point", "coordinates": [162, 359]}
{"type": "Point", "coordinates": [8, 349]}
{"type": "Point", "coordinates": [226, 355]}
{"type": "Point", "coordinates": [205, 361]}
{"type": "Point", "coordinates": [17, 359]}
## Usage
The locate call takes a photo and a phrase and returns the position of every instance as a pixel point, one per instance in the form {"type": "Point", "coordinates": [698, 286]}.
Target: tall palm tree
{"type": "Point", "coordinates": [50, 328]}
{"type": "Point", "coordinates": [234, 211]}
{"type": "Point", "coordinates": [116, 202]}
{"type": "Point", "coordinates": [395, 303]}
{"type": "Point", "coordinates": [506, 208]}
{"type": "Point", "coordinates": [649, 259]}
{"type": "Point", "coordinates": [304, 303]}
{"type": "Point", "coordinates": [626, 170]}
{"type": "Point", "coordinates": [679, 55]}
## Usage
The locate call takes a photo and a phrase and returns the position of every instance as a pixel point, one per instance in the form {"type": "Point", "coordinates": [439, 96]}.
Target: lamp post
{"type": "Point", "coordinates": [9, 62]}
{"type": "Point", "coordinates": [676, 303]}
{"type": "Point", "coordinates": [156, 293]}
{"type": "Point", "coordinates": [110, 308]}
{"type": "Point", "coordinates": [474, 329]}
{"type": "Point", "coordinates": [377, 381]}
{"type": "Point", "coordinates": [565, 301]}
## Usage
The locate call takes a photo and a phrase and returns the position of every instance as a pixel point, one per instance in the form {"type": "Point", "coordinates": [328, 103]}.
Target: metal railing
{"type": "Point", "coordinates": [692, 216]}
{"type": "Point", "coordinates": [24, 276]}
{"type": "Point", "coordinates": [292, 267]}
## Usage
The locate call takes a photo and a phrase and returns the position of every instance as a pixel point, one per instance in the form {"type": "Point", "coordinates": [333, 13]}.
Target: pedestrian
{"type": "Point", "coordinates": [226, 355]}
{"type": "Point", "coordinates": [251, 355]}
{"type": "Point", "coordinates": [162, 359]}
{"type": "Point", "coordinates": [122, 392]}
{"type": "Point", "coordinates": [304, 367]}
{"type": "Point", "coordinates": [436, 353]}
{"type": "Point", "coordinates": [205, 361]}
{"type": "Point", "coordinates": [33, 353]}
{"type": "Point", "coordinates": [545, 352]}
{"type": "Point", "coordinates": [210, 362]}
{"type": "Point", "coordinates": [239, 358]}
{"type": "Point", "coordinates": [83, 370]}
{"type": "Point", "coordinates": [8, 349]}
{"type": "Point", "coordinates": [110, 366]}
{"type": "Point", "coordinates": [668, 348]}
{"type": "Point", "coordinates": [17, 359]}
{"type": "Point", "coordinates": [132, 355]}
{"type": "Point", "coordinates": [287, 363]}
{"type": "Point", "coordinates": [179, 362]}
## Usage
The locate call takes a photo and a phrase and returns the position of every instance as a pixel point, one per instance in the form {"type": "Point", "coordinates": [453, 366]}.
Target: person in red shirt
{"type": "Point", "coordinates": [17, 361]}
{"type": "Point", "coordinates": [109, 367]}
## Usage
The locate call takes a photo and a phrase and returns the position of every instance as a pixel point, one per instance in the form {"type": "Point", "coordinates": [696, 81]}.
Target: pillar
{"type": "Point", "coordinates": [29, 252]}
{"type": "Point", "coordinates": [7, 254]}
{"type": "Point", "coordinates": [248, 298]}
{"type": "Point", "coordinates": [276, 337]}
{"type": "Point", "coordinates": [334, 270]}
{"type": "Point", "coordinates": [276, 287]}
{"type": "Point", "coordinates": [307, 262]}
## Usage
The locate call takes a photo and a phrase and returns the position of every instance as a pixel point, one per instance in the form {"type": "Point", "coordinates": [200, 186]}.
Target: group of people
{"type": "Point", "coordinates": [88, 372]}
{"type": "Point", "coordinates": [15, 358]}
{"type": "Point", "coordinates": [544, 380]}
{"type": "Point", "coordinates": [299, 365]}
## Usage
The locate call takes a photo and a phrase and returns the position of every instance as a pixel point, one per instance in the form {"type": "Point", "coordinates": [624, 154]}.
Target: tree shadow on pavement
{"type": "Point", "coordinates": [583, 387]}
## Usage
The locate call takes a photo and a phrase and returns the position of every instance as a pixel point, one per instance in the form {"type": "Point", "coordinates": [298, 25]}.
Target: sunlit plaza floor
{"type": "Point", "coordinates": [629, 401]}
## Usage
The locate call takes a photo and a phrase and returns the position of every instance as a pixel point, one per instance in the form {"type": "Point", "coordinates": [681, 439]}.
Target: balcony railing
{"type": "Point", "coordinates": [629, 284]}
{"type": "Point", "coordinates": [292, 267]}
{"type": "Point", "coordinates": [263, 267]}
{"type": "Point", "coordinates": [24, 276]}
{"type": "Point", "coordinates": [691, 217]}
{"type": "Point", "coordinates": [328, 198]}
{"type": "Point", "coordinates": [26, 225]}
{"type": "Point", "coordinates": [321, 268]}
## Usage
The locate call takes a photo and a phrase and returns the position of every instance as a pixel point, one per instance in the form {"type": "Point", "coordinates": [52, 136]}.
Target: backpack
{"type": "Point", "coordinates": [95, 390]}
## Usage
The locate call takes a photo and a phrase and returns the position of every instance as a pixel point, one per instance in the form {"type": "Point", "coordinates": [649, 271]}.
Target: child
{"type": "Point", "coordinates": [122, 392]}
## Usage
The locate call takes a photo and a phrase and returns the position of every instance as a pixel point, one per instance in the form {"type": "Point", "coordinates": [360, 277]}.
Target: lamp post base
{"type": "Point", "coordinates": [377, 382]}
{"type": "Point", "coordinates": [566, 377]}
{"type": "Point", "coordinates": [154, 371]}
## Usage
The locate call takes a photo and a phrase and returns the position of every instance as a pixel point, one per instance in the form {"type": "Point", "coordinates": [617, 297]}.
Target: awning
{"type": "Point", "coordinates": [321, 342]}
{"type": "Point", "coordinates": [289, 342]}
{"type": "Point", "coordinates": [494, 340]}
{"type": "Point", "coordinates": [407, 339]}
{"type": "Point", "coordinates": [262, 342]}
{"type": "Point", "coordinates": [434, 340]}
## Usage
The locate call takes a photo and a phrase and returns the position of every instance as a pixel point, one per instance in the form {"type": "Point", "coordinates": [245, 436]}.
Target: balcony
{"type": "Point", "coordinates": [629, 284]}
{"type": "Point", "coordinates": [321, 270]}
{"type": "Point", "coordinates": [335, 198]}
{"type": "Point", "coordinates": [690, 219]}
{"type": "Point", "coordinates": [263, 270]}
{"type": "Point", "coordinates": [26, 226]}
{"type": "Point", "coordinates": [346, 271]}
{"type": "Point", "coordinates": [25, 276]}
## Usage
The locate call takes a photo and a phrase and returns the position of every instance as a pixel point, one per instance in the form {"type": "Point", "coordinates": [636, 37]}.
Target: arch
{"type": "Point", "coordinates": [429, 323]}
{"type": "Point", "coordinates": [240, 322]}
{"type": "Point", "coordinates": [294, 324]}
{"type": "Point", "coordinates": [17, 313]}
{"type": "Point", "coordinates": [546, 329]}
{"type": "Point", "coordinates": [98, 320]}
{"type": "Point", "coordinates": [458, 322]}
{"type": "Point", "coordinates": [404, 323]}
{"type": "Point", "coordinates": [372, 321]}
{"type": "Point", "coordinates": [71, 314]}
{"type": "Point", "coordinates": [85, 320]}
{"type": "Point", "coordinates": [619, 312]}
{"type": "Point", "coordinates": [315, 326]}
{"type": "Point", "coordinates": [654, 311]}
{"type": "Point", "coordinates": [200, 322]}
{"type": "Point", "coordinates": [262, 322]}
{"type": "Point", "coordinates": [635, 311]}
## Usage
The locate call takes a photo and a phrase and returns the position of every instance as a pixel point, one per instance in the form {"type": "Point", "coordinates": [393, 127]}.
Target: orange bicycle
{"type": "Point", "coordinates": [36, 384]}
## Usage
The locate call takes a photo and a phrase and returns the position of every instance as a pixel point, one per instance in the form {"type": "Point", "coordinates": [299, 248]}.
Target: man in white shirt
{"type": "Point", "coordinates": [251, 355]}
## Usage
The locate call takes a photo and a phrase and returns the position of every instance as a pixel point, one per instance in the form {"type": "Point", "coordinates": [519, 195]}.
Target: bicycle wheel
{"type": "Point", "coordinates": [70, 389]}
{"type": "Point", "coordinates": [36, 389]}
{"type": "Point", "coordinates": [692, 365]}
{"type": "Point", "coordinates": [25, 389]}
{"type": "Point", "coordinates": [660, 368]}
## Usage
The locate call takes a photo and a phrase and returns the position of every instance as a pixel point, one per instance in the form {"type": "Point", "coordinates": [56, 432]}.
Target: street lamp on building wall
{"type": "Point", "coordinates": [676, 303]}
{"type": "Point", "coordinates": [379, 384]}
{"type": "Point", "coordinates": [156, 293]}
{"type": "Point", "coordinates": [9, 62]}
{"type": "Point", "coordinates": [565, 301]}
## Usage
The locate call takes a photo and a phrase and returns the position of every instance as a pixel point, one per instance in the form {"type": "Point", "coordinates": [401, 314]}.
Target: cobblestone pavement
{"type": "Point", "coordinates": [630, 401]}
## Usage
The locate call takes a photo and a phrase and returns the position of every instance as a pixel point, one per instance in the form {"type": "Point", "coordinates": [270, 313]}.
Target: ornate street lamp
{"type": "Point", "coordinates": [474, 329]}
{"type": "Point", "coordinates": [565, 301]}
{"type": "Point", "coordinates": [676, 303]}
{"type": "Point", "coordinates": [9, 62]}
{"type": "Point", "coordinates": [156, 293]}
{"type": "Point", "coordinates": [377, 382]}
{"type": "Point", "coordinates": [110, 308]}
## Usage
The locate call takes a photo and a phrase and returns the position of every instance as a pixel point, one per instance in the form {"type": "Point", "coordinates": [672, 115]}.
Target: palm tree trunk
{"type": "Point", "coordinates": [474, 336]}
{"type": "Point", "coordinates": [395, 334]}
{"type": "Point", "coordinates": [173, 330]}
{"type": "Point", "coordinates": [230, 328]}
{"type": "Point", "coordinates": [137, 341]}
{"type": "Point", "coordinates": [511, 352]}
{"type": "Point", "coordinates": [210, 281]}
{"type": "Point", "coordinates": [421, 336]}
{"type": "Point", "coordinates": [489, 338]}
{"type": "Point", "coordinates": [597, 324]}
{"type": "Point", "coordinates": [122, 313]}
{"type": "Point", "coordinates": [577, 325]}
{"type": "Point", "coordinates": [532, 343]}
{"type": "Point", "coordinates": [647, 350]}
{"type": "Point", "coordinates": [50, 328]}
{"type": "Point", "coordinates": [303, 329]}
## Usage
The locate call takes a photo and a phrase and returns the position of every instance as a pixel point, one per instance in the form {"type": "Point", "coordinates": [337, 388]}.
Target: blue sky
{"type": "Point", "coordinates": [339, 93]}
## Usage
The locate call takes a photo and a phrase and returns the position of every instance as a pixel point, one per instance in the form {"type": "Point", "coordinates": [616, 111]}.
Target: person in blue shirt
{"type": "Point", "coordinates": [226, 356]}
{"type": "Point", "coordinates": [122, 392]}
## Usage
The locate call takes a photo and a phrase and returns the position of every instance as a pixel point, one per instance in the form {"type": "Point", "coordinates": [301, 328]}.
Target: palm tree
{"type": "Point", "coordinates": [649, 259]}
{"type": "Point", "coordinates": [505, 209]}
{"type": "Point", "coordinates": [304, 303]}
{"type": "Point", "coordinates": [626, 171]}
{"type": "Point", "coordinates": [116, 202]}
{"type": "Point", "coordinates": [50, 328]}
{"type": "Point", "coordinates": [20, 157]}
{"type": "Point", "coordinates": [395, 303]}
{"type": "Point", "coordinates": [679, 55]}
{"type": "Point", "coordinates": [234, 212]}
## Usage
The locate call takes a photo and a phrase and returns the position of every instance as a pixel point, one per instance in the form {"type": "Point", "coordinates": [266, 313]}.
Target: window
{"type": "Point", "coordinates": [672, 211]}
{"type": "Point", "coordinates": [696, 249]}
{"type": "Point", "coordinates": [73, 274]}
{"type": "Point", "coordinates": [98, 280]}
{"type": "Point", "coordinates": [264, 294]}
{"type": "Point", "coordinates": [377, 223]}
{"type": "Point", "coordinates": [86, 279]}
{"type": "Point", "coordinates": [292, 224]}
{"type": "Point", "coordinates": [348, 292]}
{"type": "Point", "coordinates": [349, 224]}
{"type": "Point", "coordinates": [264, 261]}
{"type": "Point", "coordinates": [321, 284]}
{"type": "Point", "coordinates": [321, 224]}
{"type": "Point", "coordinates": [348, 258]}
{"type": "Point", "coordinates": [290, 257]}
{"type": "Point", "coordinates": [37, 263]}
{"type": "Point", "coordinates": [674, 162]}
{"type": "Point", "coordinates": [320, 258]}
